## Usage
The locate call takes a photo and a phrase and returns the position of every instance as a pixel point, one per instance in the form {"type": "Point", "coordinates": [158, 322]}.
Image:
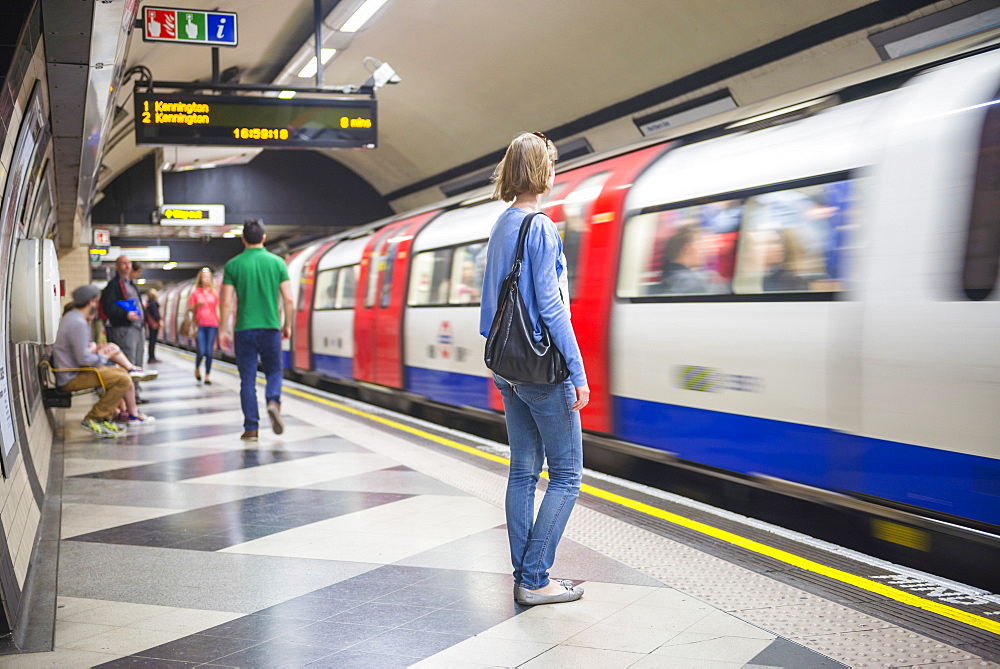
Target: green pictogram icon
{"type": "Point", "coordinates": [192, 26]}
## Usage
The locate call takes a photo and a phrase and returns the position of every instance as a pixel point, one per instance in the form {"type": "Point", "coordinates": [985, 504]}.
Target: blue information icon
{"type": "Point", "coordinates": [222, 28]}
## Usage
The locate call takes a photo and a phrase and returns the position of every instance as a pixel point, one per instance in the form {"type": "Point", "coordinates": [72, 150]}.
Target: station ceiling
{"type": "Point", "coordinates": [474, 73]}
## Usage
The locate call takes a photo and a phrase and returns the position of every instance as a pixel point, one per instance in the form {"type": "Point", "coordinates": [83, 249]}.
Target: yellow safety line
{"type": "Point", "coordinates": [399, 426]}
{"type": "Point", "coordinates": [748, 544]}
{"type": "Point", "coordinates": [734, 539]}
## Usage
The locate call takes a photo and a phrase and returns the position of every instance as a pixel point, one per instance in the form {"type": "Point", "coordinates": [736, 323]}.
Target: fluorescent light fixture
{"type": "Point", "coordinates": [141, 282]}
{"type": "Point", "coordinates": [361, 16]}
{"type": "Point", "coordinates": [286, 95]}
{"type": "Point", "coordinates": [778, 112]}
{"type": "Point", "coordinates": [477, 200]}
{"type": "Point", "coordinates": [170, 265]}
{"type": "Point", "coordinates": [309, 71]}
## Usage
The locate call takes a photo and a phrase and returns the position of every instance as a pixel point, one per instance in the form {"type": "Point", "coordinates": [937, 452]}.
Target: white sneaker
{"type": "Point", "coordinates": [140, 374]}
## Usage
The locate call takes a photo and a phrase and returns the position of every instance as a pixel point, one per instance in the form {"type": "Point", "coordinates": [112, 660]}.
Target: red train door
{"type": "Point", "coordinates": [599, 199]}
{"type": "Point", "coordinates": [301, 339]}
{"type": "Point", "coordinates": [378, 316]}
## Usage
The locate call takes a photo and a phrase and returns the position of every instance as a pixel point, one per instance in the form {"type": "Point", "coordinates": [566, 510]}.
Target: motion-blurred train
{"type": "Point", "coordinates": [839, 322]}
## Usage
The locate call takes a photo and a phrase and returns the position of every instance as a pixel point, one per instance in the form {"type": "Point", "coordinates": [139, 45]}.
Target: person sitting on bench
{"type": "Point", "coordinates": [74, 349]}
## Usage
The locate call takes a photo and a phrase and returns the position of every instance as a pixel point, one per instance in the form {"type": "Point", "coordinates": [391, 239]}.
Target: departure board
{"type": "Point", "coordinates": [251, 121]}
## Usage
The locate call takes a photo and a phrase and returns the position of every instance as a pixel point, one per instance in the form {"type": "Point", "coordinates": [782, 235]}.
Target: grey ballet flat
{"type": "Point", "coordinates": [527, 597]}
{"type": "Point", "coordinates": [565, 584]}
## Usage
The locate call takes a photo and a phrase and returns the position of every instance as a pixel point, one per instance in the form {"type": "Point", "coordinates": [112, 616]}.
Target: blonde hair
{"type": "Point", "coordinates": [211, 278]}
{"type": "Point", "coordinates": [524, 168]}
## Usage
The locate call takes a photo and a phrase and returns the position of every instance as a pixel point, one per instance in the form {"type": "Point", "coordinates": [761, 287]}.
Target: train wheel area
{"type": "Point", "coordinates": [361, 537]}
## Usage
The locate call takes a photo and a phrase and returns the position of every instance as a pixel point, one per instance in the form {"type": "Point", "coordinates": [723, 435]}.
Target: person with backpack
{"type": "Point", "coordinates": [123, 310]}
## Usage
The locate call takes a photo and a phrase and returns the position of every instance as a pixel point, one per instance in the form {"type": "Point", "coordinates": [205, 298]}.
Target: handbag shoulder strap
{"type": "Point", "coordinates": [521, 239]}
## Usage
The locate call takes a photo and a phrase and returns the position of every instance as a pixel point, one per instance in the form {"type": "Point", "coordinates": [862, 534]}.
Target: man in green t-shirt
{"type": "Point", "coordinates": [257, 278]}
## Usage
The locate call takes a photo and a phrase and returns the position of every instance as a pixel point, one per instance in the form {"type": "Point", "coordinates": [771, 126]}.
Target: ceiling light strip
{"type": "Point", "coordinates": [361, 16]}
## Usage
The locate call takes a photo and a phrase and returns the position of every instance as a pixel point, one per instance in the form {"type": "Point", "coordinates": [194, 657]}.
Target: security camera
{"type": "Point", "coordinates": [383, 74]}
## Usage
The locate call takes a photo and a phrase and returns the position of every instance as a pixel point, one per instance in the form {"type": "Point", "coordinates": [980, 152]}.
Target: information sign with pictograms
{"type": "Point", "coordinates": [188, 26]}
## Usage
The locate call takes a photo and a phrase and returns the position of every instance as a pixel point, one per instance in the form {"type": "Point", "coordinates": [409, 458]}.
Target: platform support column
{"type": "Point", "coordinates": [318, 40]}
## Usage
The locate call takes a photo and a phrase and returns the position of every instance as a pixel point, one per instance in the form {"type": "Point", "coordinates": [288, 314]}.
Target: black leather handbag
{"type": "Point", "coordinates": [511, 349]}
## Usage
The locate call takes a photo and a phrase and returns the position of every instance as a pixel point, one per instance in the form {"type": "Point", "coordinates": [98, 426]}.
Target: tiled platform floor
{"type": "Point", "coordinates": [341, 544]}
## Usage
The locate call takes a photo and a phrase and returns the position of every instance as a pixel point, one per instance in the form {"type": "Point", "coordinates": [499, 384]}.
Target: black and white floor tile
{"type": "Point", "coordinates": [183, 546]}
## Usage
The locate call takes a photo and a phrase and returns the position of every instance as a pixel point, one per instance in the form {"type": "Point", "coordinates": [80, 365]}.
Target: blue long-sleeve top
{"type": "Point", "coordinates": [543, 282]}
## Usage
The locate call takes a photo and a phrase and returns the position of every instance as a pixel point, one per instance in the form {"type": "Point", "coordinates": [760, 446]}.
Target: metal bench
{"type": "Point", "coordinates": [52, 395]}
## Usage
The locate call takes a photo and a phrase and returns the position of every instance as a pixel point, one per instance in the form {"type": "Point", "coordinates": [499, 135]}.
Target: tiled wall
{"type": "Point", "coordinates": [23, 488]}
{"type": "Point", "coordinates": [19, 511]}
{"type": "Point", "coordinates": [74, 269]}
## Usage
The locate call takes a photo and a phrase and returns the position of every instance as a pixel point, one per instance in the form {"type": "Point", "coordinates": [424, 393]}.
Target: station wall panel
{"type": "Point", "coordinates": [26, 444]}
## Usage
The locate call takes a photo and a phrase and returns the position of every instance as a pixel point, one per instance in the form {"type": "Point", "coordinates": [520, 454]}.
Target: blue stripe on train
{"type": "Point", "coordinates": [286, 357]}
{"type": "Point", "coordinates": [963, 485]}
{"type": "Point", "coordinates": [449, 387]}
{"type": "Point", "coordinates": [336, 366]}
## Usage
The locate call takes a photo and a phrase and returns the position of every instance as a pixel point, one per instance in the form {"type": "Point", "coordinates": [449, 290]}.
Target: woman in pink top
{"type": "Point", "coordinates": [204, 305]}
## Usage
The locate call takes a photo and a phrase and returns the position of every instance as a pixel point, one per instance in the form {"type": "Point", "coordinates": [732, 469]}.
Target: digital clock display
{"type": "Point", "coordinates": [231, 120]}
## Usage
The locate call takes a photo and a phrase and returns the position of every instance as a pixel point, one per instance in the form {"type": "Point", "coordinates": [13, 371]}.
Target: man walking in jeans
{"type": "Point", "coordinates": [257, 278]}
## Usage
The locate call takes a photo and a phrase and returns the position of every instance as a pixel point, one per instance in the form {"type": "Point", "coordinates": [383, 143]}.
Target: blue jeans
{"type": "Point", "coordinates": [250, 345]}
{"type": "Point", "coordinates": [206, 345]}
{"type": "Point", "coordinates": [540, 427]}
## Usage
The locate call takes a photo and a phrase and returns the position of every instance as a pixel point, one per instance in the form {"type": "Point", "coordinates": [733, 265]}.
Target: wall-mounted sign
{"type": "Point", "coordinates": [102, 237]}
{"type": "Point", "coordinates": [687, 112]}
{"type": "Point", "coordinates": [140, 253]}
{"type": "Point", "coordinates": [193, 214]}
{"type": "Point", "coordinates": [244, 120]}
{"type": "Point", "coordinates": [188, 26]}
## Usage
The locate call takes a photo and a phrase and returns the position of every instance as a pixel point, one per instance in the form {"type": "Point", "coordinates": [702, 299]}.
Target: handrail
{"type": "Point", "coordinates": [50, 381]}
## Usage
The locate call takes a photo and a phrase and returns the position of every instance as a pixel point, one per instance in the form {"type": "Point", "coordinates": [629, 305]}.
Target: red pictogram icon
{"type": "Point", "coordinates": [161, 24]}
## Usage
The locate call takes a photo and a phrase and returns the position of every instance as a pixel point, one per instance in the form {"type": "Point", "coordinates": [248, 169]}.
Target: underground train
{"type": "Point", "coordinates": [838, 328]}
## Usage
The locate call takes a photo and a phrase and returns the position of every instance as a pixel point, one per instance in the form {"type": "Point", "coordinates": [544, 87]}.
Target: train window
{"type": "Point", "coordinates": [429, 278]}
{"type": "Point", "coordinates": [388, 261]}
{"type": "Point", "coordinates": [684, 251]}
{"type": "Point", "coordinates": [302, 295]}
{"type": "Point", "coordinates": [326, 290]}
{"type": "Point", "coordinates": [347, 286]}
{"type": "Point", "coordinates": [790, 240]}
{"type": "Point", "coordinates": [982, 247]}
{"type": "Point", "coordinates": [376, 266]}
{"type": "Point", "coordinates": [467, 274]}
{"type": "Point", "coordinates": [577, 207]}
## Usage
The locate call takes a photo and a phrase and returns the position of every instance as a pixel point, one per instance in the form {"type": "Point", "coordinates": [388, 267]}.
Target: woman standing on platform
{"type": "Point", "coordinates": [543, 421]}
{"type": "Point", "coordinates": [153, 323]}
{"type": "Point", "coordinates": [203, 306]}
